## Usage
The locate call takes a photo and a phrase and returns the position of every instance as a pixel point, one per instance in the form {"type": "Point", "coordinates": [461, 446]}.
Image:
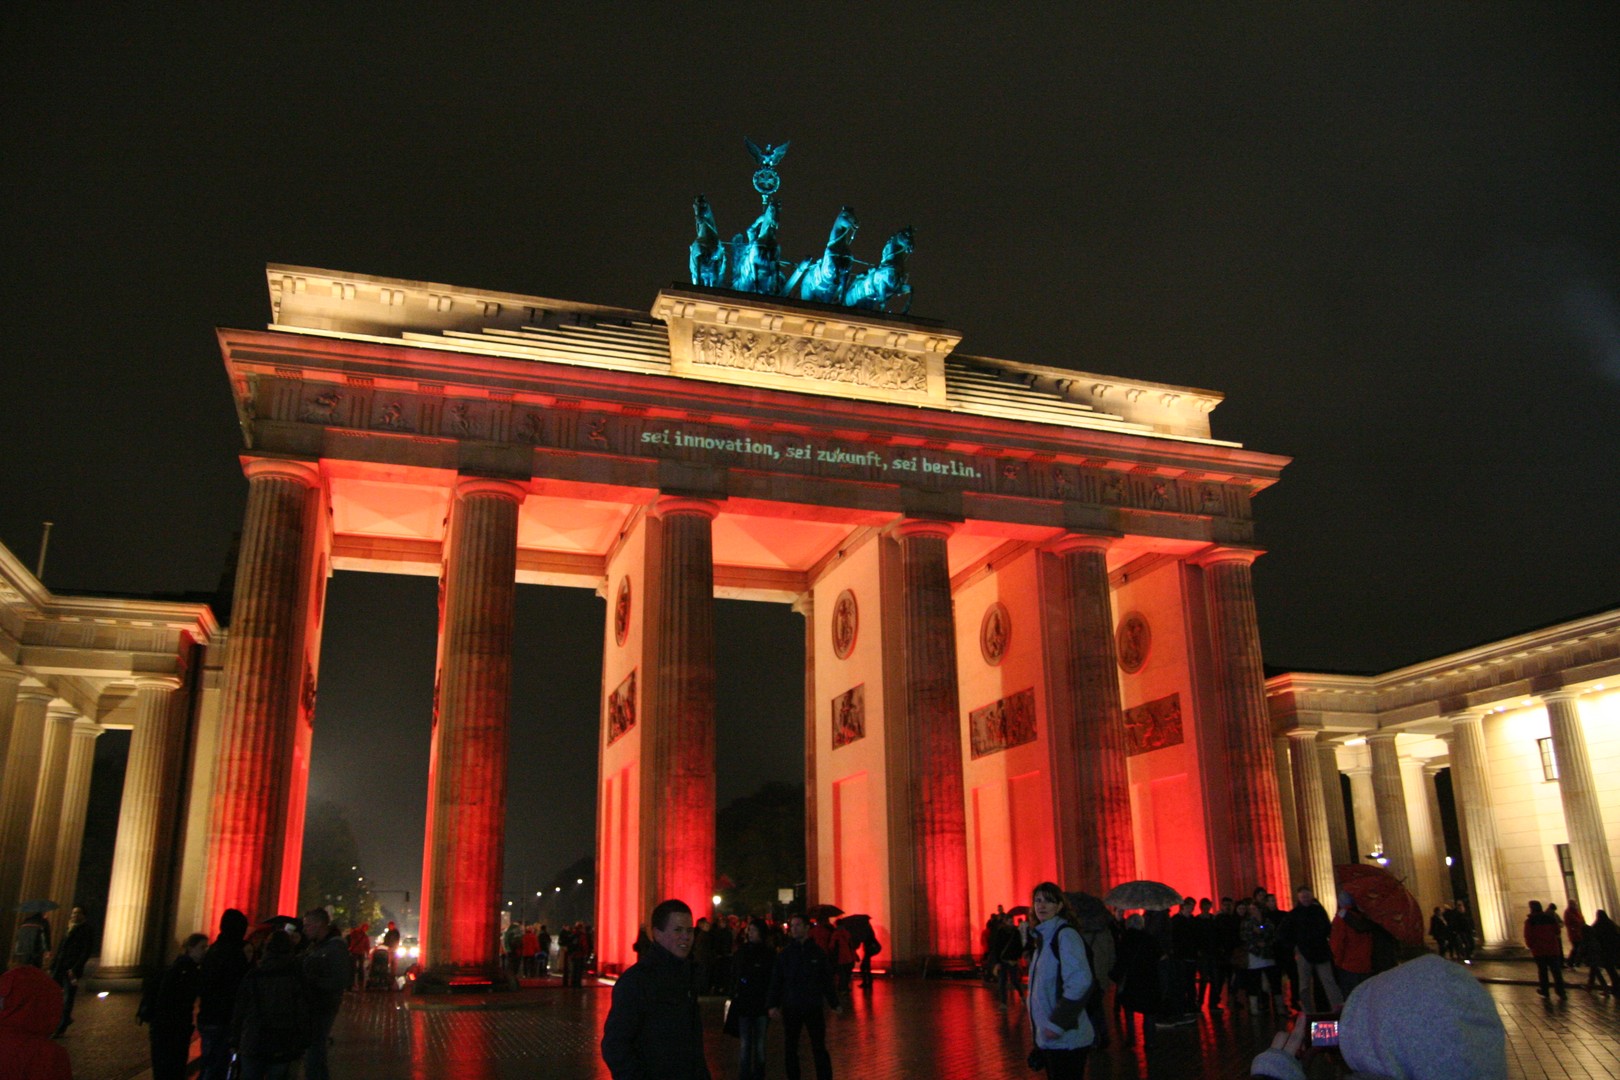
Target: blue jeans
{"type": "Point", "coordinates": [751, 1056]}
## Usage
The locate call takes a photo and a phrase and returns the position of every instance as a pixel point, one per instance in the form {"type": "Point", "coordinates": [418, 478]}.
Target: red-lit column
{"type": "Point", "coordinates": [678, 807]}
{"type": "Point", "coordinates": [1104, 845]}
{"type": "Point", "coordinates": [1583, 817]}
{"type": "Point", "coordinates": [467, 771]}
{"type": "Point", "coordinates": [142, 852]}
{"type": "Point", "coordinates": [247, 830]}
{"type": "Point", "coordinates": [18, 785]}
{"type": "Point", "coordinates": [938, 812]}
{"type": "Point", "coordinates": [47, 819]}
{"type": "Point", "coordinates": [1259, 850]}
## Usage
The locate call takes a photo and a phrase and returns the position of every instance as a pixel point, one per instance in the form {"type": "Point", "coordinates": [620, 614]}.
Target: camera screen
{"type": "Point", "coordinates": [1324, 1033]}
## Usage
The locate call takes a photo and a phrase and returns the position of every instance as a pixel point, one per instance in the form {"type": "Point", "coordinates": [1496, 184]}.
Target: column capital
{"type": "Point", "coordinates": [805, 604]}
{"type": "Point", "coordinates": [469, 486]}
{"type": "Point", "coordinates": [38, 691]}
{"type": "Point", "coordinates": [1381, 736]}
{"type": "Point", "coordinates": [12, 673]}
{"type": "Point", "coordinates": [1465, 716]}
{"type": "Point", "coordinates": [1301, 734]}
{"type": "Point", "coordinates": [924, 527]}
{"type": "Point", "coordinates": [85, 726]}
{"type": "Point", "coordinates": [1219, 553]}
{"type": "Point", "coordinates": [59, 709]}
{"type": "Point", "coordinates": [1570, 696]}
{"type": "Point", "coordinates": [1433, 765]}
{"type": "Point", "coordinates": [305, 472]}
{"type": "Point", "coordinates": [1070, 542]}
{"type": "Point", "coordinates": [670, 505]}
{"type": "Point", "coordinates": [157, 682]}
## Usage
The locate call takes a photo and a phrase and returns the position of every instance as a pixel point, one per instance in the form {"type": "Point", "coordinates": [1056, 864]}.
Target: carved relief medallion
{"type": "Point", "coordinates": [621, 612]}
{"type": "Point", "coordinates": [846, 623]}
{"type": "Point", "coordinates": [1132, 641]}
{"type": "Point", "coordinates": [995, 633]}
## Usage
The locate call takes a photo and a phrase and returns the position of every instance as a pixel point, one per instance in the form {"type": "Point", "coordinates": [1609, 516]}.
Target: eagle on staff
{"type": "Point", "coordinates": [766, 181]}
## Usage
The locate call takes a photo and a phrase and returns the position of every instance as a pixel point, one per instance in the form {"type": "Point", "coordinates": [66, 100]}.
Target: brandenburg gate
{"type": "Point", "coordinates": [1030, 638]}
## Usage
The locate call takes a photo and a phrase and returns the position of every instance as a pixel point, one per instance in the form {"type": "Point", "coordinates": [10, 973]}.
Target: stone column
{"type": "Point", "coordinates": [467, 768]}
{"type": "Point", "coordinates": [1427, 867]}
{"type": "Point", "coordinates": [47, 817]}
{"type": "Point", "coordinates": [142, 852]}
{"type": "Point", "coordinates": [806, 605]}
{"type": "Point", "coordinates": [1315, 847]}
{"type": "Point", "coordinates": [1290, 816]}
{"type": "Point", "coordinates": [261, 692]}
{"type": "Point", "coordinates": [1259, 849]}
{"type": "Point", "coordinates": [1470, 775]}
{"type": "Point", "coordinates": [1437, 825]}
{"type": "Point", "coordinates": [1105, 844]}
{"type": "Point", "coordinates": [1583, 818]}
{"type": "Point", "coordinates": [1327, 757]}
{"type": "Point", "coordinates": [11, 678]}
{"type": "Point", "coordinates": [75, 799]}
{"type": "Point", "coordinates": [17, 787]}
{"type": "Point", "coordinates": [933, 714]}
{"type": "Point", "coordinates": [1364, 805]}
{"type": "Point", "coordinates": [1390, 800]}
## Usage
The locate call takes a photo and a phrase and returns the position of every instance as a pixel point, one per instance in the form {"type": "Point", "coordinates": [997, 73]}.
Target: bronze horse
{"type": "Point", "coordinates": [874, 289]}
{"type": "Point", "coordinates": [708, 258]}
{"type": "Point", "coordinates": [756, 256]}
{"type": "Point", "coordinates": [825, 279]}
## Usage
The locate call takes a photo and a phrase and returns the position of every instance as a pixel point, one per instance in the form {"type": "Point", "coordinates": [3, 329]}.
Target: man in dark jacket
{"type": "Point", "coordinates": [1543, 937]}
{"type": "Point", "coordinates": [223, 966]}
{"type": "Point", "coordinates": [326, 970]}
{"type": "Point", "coordinates": [168, 1013]}
{"type": "Point", "coordinates": [801, 981]}
{"type": "Point", "coordinates": [1307, 927]}
{"type": "Point", "coordinates": [654, 1030]}
{"type": "Point", "coordinates": [67, 966]}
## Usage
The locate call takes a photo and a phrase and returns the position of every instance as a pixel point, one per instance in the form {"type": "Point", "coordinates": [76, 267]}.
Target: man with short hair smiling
{"type": "Point", "coordinates": [654, 1029]}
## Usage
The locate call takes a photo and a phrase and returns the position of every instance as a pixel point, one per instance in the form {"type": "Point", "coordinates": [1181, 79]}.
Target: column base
{"type": "Point", "coordinates": [123, 977]}
{"type": "Point", "coordinates": [463, 981]}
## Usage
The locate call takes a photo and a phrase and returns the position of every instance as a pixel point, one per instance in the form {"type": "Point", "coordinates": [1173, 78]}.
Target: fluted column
{"type": "Point", "coordinates": [1390, 800]}
{"type": "Point", "coordinates": [18, 784]}
{"type": "Point", "coordinates": [1426, 859]}
{"type": "Point", "coordinates": [47, 817]}
{"type": "Point", "coordinates": [1104, 843]}
{"type": "Point", "coordinates": [1437, 827]}
{"type": "Point", "coordinates": [933, 714]}
{"type": "Point", "coordinates": [11, 678]}
{"type": "Point", "coordinates": [1290, 815]}
{"type": "Point", "coordinates": [1583, 818]}
{"type": "Point", "coordinates": [467, 769]}
{"type": "Point", "coordinates": [1364, 805]}
{"type": "Point", "coordinates": [1315, 847]}
{"type": "Point", "coordinates": [1470, 774]}
{"type": "Point", "coordinates": [1259, 849]}
{"type": "Point", "coordinates": [75, 799]}
{"type": "Point", "coordinates": [261, 692]}
{"type": "Point", "coordinates": [806, 605]}
{"type": "Point", "coordinates": [145, 831]}
{"type": "Point", "coordinates": [1327, 758]}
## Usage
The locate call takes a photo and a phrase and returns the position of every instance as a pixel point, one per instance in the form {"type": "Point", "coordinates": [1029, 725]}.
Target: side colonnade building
{"type": "Point", "coordinates": [1522, 734]}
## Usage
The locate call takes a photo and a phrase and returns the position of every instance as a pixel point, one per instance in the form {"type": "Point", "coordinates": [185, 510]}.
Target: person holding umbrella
{"type": "Point", "coordinates": [33, 939]}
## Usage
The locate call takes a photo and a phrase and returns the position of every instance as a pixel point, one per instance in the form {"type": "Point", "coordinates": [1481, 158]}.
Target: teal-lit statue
{"type": "Point", "coordinates": [752, 261]}
{"type": "Point", "coordinates": [874, 288]}
{"type": "Point", "coordinates": [825, 279]}
{"type": "Point", "coordinates": [757, 257]}
{"type": "Point", "coordinates": [709, 262]}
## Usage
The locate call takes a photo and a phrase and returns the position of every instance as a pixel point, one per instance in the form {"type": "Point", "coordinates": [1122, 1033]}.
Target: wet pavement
{"type": "Point", "coordinates": [909, 1028]}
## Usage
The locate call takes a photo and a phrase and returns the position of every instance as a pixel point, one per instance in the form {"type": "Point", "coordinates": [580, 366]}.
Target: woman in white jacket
{"type": "Point", "coordinates": [1059, 983]}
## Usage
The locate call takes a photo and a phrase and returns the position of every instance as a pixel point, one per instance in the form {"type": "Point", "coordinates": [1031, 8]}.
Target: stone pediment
{"type": "Point", "coordinates": [779, 344]}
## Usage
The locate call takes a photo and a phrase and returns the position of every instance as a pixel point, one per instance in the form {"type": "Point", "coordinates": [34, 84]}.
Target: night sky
{"type": "Point", "coordinates": [1389, 236]}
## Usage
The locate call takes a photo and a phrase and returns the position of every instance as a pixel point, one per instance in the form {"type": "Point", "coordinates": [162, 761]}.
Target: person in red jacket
{"type": "Point", "coordinates": [1351, 942]}
{"type": "Point", "coordinates": [1543, 936]}
{"type": "Point", "coordinates": [1575, 927]}
{"type": "Point", "coordinates": [30, 1008]}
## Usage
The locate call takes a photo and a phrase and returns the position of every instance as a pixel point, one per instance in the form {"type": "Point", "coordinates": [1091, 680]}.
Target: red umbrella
{"type": "Point", "coordinates": [1383, 899]}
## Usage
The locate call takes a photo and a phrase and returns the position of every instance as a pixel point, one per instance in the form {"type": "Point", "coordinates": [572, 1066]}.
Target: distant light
{"type": "Point", "coordinates": [557, 888]}
{"type": "Point", "coordinates": [537, 892]}
{"type": "Point", "coordinates": [102, 994]}
{"type": "Point", "coordinates": [579, 881]}
{"type": "Point", "coordinates": [1448, 860]}
{"type": "Point", "coordinates": [716, 898]}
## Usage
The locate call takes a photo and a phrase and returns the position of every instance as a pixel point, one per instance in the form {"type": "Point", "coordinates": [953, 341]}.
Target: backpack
{"type": "Point", "coordinates": [1066, 1013]}
{"type": "Point", "coordinates": [283, 1038]}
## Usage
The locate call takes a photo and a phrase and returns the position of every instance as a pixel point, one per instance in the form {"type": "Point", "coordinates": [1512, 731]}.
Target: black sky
{"type": "Point", "coordinates": [1389, 234]}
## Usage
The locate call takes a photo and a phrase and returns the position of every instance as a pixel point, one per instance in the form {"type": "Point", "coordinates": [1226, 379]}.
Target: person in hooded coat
{"type": "Point", "coordinates": [30, 1008]}
{"type": "Point", "coordinates": [67, 963]}
{"type": "Point", "coordinates": [168, 1013]}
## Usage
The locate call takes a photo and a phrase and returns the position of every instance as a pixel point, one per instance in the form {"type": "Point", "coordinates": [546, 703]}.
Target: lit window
{"type": "Point", "coordinates": [1549, 760]}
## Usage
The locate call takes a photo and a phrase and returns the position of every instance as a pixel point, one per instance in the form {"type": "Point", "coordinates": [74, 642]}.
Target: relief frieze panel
{"type": "Point", "coordinates": [809, 358]}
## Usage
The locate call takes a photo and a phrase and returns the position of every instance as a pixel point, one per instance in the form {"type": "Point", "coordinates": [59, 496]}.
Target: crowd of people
{"type": "Point", "coordinates": [526, 950]}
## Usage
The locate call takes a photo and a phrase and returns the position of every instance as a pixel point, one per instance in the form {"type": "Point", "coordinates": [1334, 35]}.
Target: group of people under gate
{"type": "Point", "coordinates": [526, 951]}
{"type": "Point", "coordinates": [1345, 989]}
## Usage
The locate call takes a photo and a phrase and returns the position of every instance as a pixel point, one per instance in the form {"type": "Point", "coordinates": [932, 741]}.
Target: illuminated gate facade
{"type": "Point", "coordinates": [1030, 639]}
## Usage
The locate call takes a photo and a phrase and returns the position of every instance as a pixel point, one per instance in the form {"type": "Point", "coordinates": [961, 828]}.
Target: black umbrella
{"type": "Point", "coordinates": [37, 907]}
{"type": "Point", "coordinates": [1091, 912]}
{"type": "Point", "coordinates": [1142, 895]}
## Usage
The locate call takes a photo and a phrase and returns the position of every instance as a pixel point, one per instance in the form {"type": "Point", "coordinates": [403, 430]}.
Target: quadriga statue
{"type": "Point", "coordinates": [825, 279]}
{"type": "Point", "coordinates": [873, 289]}
{"type": "Point", "coordinates": [708, 261]}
